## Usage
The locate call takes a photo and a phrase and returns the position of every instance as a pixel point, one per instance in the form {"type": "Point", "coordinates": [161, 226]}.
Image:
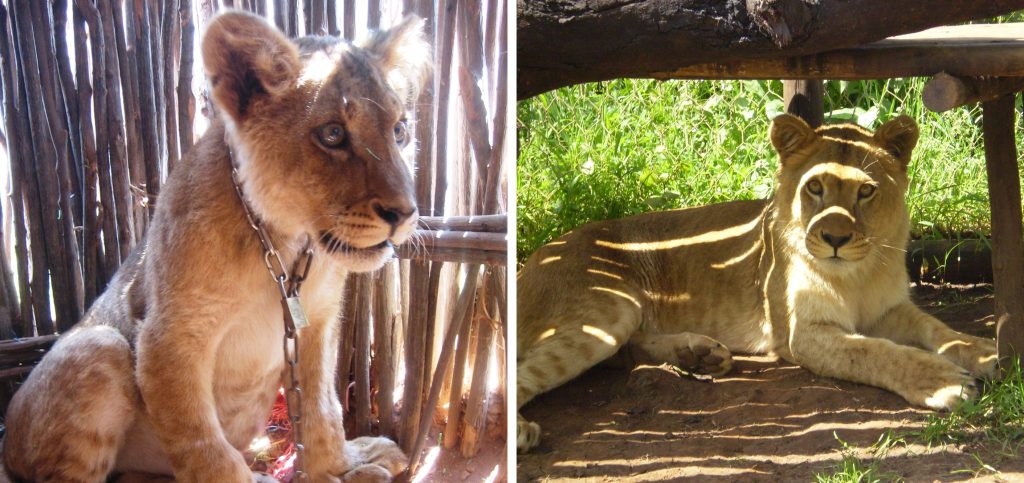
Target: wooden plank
{"type": "Point", "coordinates": [1007, 237]}
{"type": "Point", "coordinates": [965, 51]}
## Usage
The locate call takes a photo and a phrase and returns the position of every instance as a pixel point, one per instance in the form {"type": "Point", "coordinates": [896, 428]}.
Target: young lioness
{"type": "Point", "coordinates": [816, 275]}
{"type": "Point", "coordinates": [175, 367]}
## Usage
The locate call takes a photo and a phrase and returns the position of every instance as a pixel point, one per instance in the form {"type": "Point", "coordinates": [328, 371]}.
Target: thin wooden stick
{"type": "Point", "coordinates": [147, 99]}
{"type": "Point", "coordinates": [171, 43]}
{"type": "Point", "coordinates": [186, 101]}
{"type": "Point", "coordinates": [17, 151]}
{"type": "Point", "coordinates": [452, 424]}
{"type": "Point", "coordinates": [362, 355]}
{"type": "Point", "coordinates": [475, 418]}
{"type": "Point", "coordinates": [127, 55]}
{"type": "Point", "coordinates": [122, 200]}
{"type": "Point", "coordinates": [385, 313]}
{"type": "Point", "coordinates": [448, 348]}
{"type": "Point", "coordinates": [497, 223]}
{"type": "Point", "coordinates": [446, 26]}
{"type": "Point", "coordinates": [346, 346]}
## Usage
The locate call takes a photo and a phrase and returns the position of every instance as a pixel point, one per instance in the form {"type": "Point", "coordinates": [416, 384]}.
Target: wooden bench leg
{"type": "Point", "coordinates": [1007, 240]}
{"type": "Point", "coordinates": [806, 99]}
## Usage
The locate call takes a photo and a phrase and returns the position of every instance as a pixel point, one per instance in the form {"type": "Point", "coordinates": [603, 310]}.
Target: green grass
{"type": "Point", "coordinates": [992, 425]}
{"type": "Point", "coordinates": [611, 149]}
{"type": "Point", "coordinates": [996, 417]}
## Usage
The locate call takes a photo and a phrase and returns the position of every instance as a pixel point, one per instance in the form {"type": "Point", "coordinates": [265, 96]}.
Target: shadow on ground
{"type": "Point", "coordinates": [766, 421]}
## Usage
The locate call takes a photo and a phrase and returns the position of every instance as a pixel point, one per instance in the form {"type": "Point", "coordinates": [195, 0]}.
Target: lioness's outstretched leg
{"type": "Point", "coordinates": [68, 421]}
{"type": "Point", "coordinates": [921, 377]}
{"type": "Point", "coordinates": [908, 324]}
{"type": "Point", "coordinates": [563, 352]}
{"type": "Point", "coordinates": [686, 350]}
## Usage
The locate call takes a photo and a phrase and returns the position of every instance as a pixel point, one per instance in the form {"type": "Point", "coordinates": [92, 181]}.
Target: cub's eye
{"type": "Point", "coordinates": [814, 187]}
{"type": "Point", "coordinates": [401, 133]}
{"type": "Point", "coordinates": [332, 135]}
{"type": "Point", "coordinates": [866, 190]}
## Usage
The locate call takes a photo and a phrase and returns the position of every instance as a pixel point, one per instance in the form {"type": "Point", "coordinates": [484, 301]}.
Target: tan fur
{"type": "Point", "coordinates": [176, 365]}
{"type": "Point", "coordinates": [687, 286]}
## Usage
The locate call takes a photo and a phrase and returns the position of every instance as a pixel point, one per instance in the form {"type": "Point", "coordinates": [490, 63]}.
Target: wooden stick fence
{"type": "Point", "coordinates": [96, 113]}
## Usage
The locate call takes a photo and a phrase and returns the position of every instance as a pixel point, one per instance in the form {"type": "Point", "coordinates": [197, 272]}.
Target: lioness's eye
{"type": "Point", "coordinates": [401, 133]}
{"type": "Point", "coordinates": [866, 190]}
{"type": "Point", "coordinates": [331, 135]}
{"type": "Point", "coordinates": [814, 187]}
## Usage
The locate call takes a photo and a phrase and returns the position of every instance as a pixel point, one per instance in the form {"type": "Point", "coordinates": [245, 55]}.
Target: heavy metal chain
{"type": "Point", "coordinates": [294, 316]}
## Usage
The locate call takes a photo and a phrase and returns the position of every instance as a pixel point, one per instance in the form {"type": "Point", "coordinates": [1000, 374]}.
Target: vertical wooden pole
{"type": "Point", "coordinates": [385, 312]}
{"type": "Point", "coordinates": [1007, 242]}
{"type": "Point", "coordinates": [805, 98]}
{"type": "Point", "coordinates": [364, 294]}
{"type": "Point", "coordinates": [186, 101]}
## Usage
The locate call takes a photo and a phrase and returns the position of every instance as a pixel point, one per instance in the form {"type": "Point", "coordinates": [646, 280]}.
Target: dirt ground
{"type": "Point", "coordinates": [765, 421]}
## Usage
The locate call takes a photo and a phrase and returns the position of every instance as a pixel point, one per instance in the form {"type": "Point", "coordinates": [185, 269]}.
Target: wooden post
{"type": "Point", "coordinates": [1007, 241]}
{"type": "Point", "coordinates": [361, 365]}
{"type": "Point", "coordinates": [805, 98]}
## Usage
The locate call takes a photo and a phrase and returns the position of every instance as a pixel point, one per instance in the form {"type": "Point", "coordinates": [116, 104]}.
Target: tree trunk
{"type": "Point", "coordinates": [600, 40]}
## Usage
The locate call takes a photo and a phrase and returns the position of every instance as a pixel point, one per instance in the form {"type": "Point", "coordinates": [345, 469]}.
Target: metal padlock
{"type": "Point", "coordinates": [295, 314]}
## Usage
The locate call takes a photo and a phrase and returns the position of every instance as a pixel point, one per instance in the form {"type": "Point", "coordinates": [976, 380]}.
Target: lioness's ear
{"type": "Point", "coordinates": [790, 133]}
{"type": "Point", "coordinates": [403, 55]}
{"type": "Point", "coordinates": [898, 137]}
{"type": "Point", "coordinates": [247, 58]}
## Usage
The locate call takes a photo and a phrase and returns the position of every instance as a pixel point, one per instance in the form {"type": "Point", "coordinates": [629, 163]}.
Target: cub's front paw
{"type": "Point", "coordinates": [975, 354]}
{"type": "Point", "coordinates": [938, 384]}
{"type": "Point", "coordinates": [373, 460]}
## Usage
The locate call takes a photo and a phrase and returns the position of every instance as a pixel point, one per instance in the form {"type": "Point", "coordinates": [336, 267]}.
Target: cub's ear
{"type": "Point", "coordinates": [403, 55]}
{"type": "Point", "coordinates": [247, 59]}
{"type": "Point", "coordinates": [789, 134]}
{"type": "Point", "coordinates": [898, 137]}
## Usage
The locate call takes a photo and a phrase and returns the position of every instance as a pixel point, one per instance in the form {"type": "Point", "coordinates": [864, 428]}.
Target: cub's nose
{"type": "Point", "coordinates": [835, 241]}
{"type": "Point", "coordinates": [393, 215]}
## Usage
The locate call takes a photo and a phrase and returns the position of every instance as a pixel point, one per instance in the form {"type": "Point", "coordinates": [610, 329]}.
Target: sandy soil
{"type": "Point", "coordinates": [766, 421]}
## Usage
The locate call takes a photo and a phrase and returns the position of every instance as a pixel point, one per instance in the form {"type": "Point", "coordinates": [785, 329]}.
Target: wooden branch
{"type": "Point", "coordinates": [482, 223]}
{"type": "Point", "coordinates": [462, 306]}
{"type": "Point", "coordinates": [350, 20]}
{"type": "Point", "coordinates": [373, 14]}
{"type": "Point", "coordinates": [477, 400]}
{"type": "Point", "coordinates": [293, 18]}
{"type": "Point", "coordinates": [171, 42]}
{"type": "Point", "coordinates": [346, 342]}
{"type": "Point", "coordinates": [385, 315]}
{"type": "Point", "coordinates": [415, 353]}
{"type": "Point", "coordinates": [17, 151]}
{"type": "Point", "coordinates": [649, 38]}
{"type": "Point", "coordinates": [446, 26]}
{"type": "Point", "coordinates": [92, 267]}
{"type": "Point", "coordinates": [70, 101]}
{"type": "Point", "coordinates": [281, 16]}
{"type": "Point", "coordinates": [944, 92]}
{"type": "Point", "coordinates": [496, 165]}
{"type": "Point", "coordinates": [147, 99]}
{"type": "Point", "coordinates": [454, 255]}
{"type": "Point", "coordinates": [1007, 233]}
{"type": "Point", "coordinates": [318, 17]}
{"type": "Point", "coordinates": [364, 297]}
{"type": "Point", "coordinates": [127, 55]}
{"type": "Point", "coordinates": [186, 101]}
{"type": "Point", "coordinates": [428, 240]}
{"type": "Point", "coordinates": [470, 71]}
{"type": "Point", "coordinates": [332, 18]}
{"type": "Point", "coordinates": [122, 200]}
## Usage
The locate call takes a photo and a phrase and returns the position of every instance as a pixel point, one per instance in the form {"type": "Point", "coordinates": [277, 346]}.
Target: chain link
{"type": "Point", "coordinates": [288, 285]}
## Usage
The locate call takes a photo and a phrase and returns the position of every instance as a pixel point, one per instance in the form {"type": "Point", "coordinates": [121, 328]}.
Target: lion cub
{"type": "Point", "coordinates": [815, 274]}
{"type": "Point", "coordinates": [175, 367]}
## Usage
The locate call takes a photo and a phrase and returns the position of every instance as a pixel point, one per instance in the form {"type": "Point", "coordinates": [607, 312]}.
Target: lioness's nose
{"type": "Point", "coordinates": [393, 215]}
{"type": "Point", "coordinates": [835, 240]}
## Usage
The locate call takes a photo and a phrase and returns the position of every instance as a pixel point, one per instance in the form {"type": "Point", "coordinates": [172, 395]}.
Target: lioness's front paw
{"type": "Point", "coordinates": [939, 385]}
{"type": "Point", "coordinates": [527, 434]}
{"type": "Point", "coordinates": [705, 355]}
{"type": "Point", "coordinates": [373, 459]}
{"type": "Point", "coordinates": [975, 354]}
